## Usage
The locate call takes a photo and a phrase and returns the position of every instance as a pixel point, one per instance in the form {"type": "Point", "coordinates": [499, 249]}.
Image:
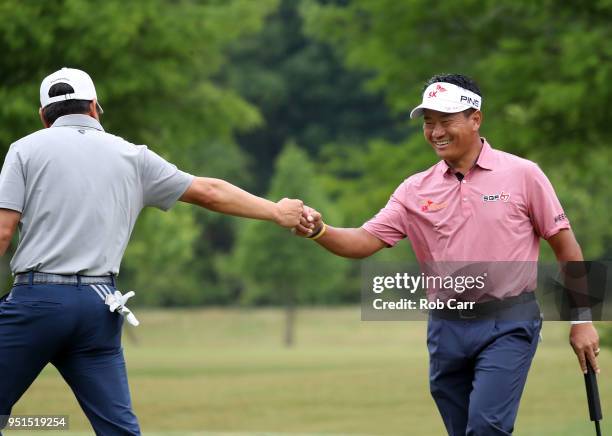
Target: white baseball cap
{"type": "Point", "coordinates": [448, 98]}
{"type": "Point", "coordinates": [80, 81]}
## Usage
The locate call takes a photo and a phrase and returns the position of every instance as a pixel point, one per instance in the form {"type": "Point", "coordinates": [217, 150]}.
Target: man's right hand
{"type": "Point", "coordinates": [289, 212]}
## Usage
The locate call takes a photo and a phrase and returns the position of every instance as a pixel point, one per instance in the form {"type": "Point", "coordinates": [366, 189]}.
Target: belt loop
{"type": "Point", "coordinates": [113, 280]}
{"type": "Point", "coordinates": [30, 278]}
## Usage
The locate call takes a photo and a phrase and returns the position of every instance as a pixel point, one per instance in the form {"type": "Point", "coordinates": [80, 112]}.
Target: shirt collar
{"type": "Point", "coordinates": [486, 159]}
{"type": "Point", "coordinates": [78, 120]}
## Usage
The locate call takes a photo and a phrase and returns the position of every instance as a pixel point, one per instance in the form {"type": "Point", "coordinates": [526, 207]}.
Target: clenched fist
{"type": "Point", "coordinates": [288, 212]}
{"type": "Point", "coordinates": [310, 224]}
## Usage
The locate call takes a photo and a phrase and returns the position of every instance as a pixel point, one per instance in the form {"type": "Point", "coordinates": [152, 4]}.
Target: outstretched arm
{"type": "Point", "coordinates": [354, 243]}
{"type": "Point", "coordinates": [583, 337]}
{"type": "Point", "coordinates": [8, 224]}
{"type": "Point", "coordinates": [221, 196]}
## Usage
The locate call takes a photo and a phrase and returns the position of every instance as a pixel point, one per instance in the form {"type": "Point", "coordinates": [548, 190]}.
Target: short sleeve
{"type": "Point", "coordinates": [162, 183]}
{"type": "Point", "coordinates": [391, 223]}
{"type": "Point", "coordinates": [12, 182]}
{"type": "Point", "coordinates": [545, 211]}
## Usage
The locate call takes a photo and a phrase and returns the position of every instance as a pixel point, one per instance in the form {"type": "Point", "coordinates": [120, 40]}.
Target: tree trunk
{"type": "Point", "coordinates": [289, 322]}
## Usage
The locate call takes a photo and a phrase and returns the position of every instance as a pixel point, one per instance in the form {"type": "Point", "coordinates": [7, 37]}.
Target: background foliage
{"type": "Point", "coordinates": [221, 87]}
{"type": "Point", "coordinates": [310, 99]}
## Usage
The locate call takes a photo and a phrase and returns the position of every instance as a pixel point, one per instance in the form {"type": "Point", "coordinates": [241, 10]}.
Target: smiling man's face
{"type": "Point", "coordinates": [452, 136]}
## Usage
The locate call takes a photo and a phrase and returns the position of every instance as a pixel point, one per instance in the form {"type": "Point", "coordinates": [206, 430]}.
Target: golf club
{"type": "Point", "coordinates": [590, 380]}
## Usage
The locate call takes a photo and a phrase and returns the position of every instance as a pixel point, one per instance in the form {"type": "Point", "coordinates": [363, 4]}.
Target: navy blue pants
{"type": "Point", "coordinates": [478, 369]}
{"type": "Point", "coordinates": [70, 327]}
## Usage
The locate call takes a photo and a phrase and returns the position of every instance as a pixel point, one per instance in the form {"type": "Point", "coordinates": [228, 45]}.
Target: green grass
{"type": "Point", "coordinates": [209, 372]}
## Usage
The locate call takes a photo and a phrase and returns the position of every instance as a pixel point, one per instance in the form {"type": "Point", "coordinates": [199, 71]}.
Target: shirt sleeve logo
{"type": "Point", "coordinates": [560, 217]}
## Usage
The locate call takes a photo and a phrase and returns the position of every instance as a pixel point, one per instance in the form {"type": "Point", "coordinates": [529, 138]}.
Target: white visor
{"type": "Point", "coordinates": [447, 98]}
{"type": "Point", "coordinates": [80, 81]}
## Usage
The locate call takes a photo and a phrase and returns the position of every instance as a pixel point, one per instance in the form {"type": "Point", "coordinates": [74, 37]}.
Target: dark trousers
{"type": "Point", "coordinates": [71, 328]}
{"type": "Point", "coordinates": [478, 369]}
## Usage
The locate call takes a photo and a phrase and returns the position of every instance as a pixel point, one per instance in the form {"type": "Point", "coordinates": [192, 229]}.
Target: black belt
{"type": "Point", "coordinates": [486, 309]}
{"type": "Point", "coordinates": [34, 277]}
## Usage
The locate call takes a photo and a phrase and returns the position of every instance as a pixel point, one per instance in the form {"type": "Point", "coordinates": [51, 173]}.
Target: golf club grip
{"type": "Point", "coordinates": [590, 380]}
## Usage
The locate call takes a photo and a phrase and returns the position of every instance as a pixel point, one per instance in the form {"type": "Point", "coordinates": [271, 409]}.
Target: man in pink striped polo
{"type": "Point", "coordinates": [477, 204]}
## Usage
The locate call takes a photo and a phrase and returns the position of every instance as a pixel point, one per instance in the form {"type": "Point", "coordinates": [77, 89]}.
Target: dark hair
{"type": "Point", "coordinates": [58, 109]}
{"type": "Point", "coordinates": [457, 79]}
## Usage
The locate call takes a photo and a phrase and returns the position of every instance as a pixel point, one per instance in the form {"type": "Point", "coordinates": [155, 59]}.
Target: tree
{"type": "Point", "coordinates": [303, 92]}
{"type": "Point", "coordinates": [159, 254]}
{"type": "Point", "coordinates": [154, 64]}
{"type": "Point", "coordinates": [277, 267]}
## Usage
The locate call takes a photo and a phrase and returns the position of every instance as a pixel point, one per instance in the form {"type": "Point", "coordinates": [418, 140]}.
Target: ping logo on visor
{"type": "Point", "coordinates": [474, 102]}
{"type": "Point", "coordinates": [448, 98]}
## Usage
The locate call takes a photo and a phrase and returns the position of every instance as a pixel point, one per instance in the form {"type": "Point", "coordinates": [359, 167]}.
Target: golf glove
{"type": "Point", "coordinates": [116, 303]}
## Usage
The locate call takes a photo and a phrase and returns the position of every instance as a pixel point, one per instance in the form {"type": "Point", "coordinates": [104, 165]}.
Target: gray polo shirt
{"type": "Point", "coordinates": [79, 191]}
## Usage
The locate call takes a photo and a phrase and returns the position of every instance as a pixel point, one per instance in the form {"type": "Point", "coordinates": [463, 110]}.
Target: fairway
{"type": "Point", "coordinates": [225, 372]}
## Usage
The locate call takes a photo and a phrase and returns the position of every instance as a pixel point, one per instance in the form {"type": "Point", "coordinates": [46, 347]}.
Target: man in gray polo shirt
{"type": "Point", "coordinates": [75, 192]}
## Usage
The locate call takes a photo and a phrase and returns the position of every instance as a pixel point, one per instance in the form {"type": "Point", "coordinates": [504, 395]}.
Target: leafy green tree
{"type": "Point", "coordinates": [159, 257]}
{"type": "Point", "coordinates": [155, 65]}
{"type": "Point", "coordinates": [303, 91]}
{"type": "Point", "coordinates": [279, 268]}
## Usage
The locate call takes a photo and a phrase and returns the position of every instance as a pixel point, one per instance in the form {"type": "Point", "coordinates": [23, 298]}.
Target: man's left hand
{"type": "Point", "coordinates": [585, 342]}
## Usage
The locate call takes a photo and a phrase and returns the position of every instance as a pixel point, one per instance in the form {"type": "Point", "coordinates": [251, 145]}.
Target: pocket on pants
{"type": "Point", "coordinates": [526, 330]}
{"type": "Point", "coordinates": [32, 301]}
{"type": "Point", "coordinates": [39, 304]}
{"type": "Point", "coordinates": [537, 328]}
